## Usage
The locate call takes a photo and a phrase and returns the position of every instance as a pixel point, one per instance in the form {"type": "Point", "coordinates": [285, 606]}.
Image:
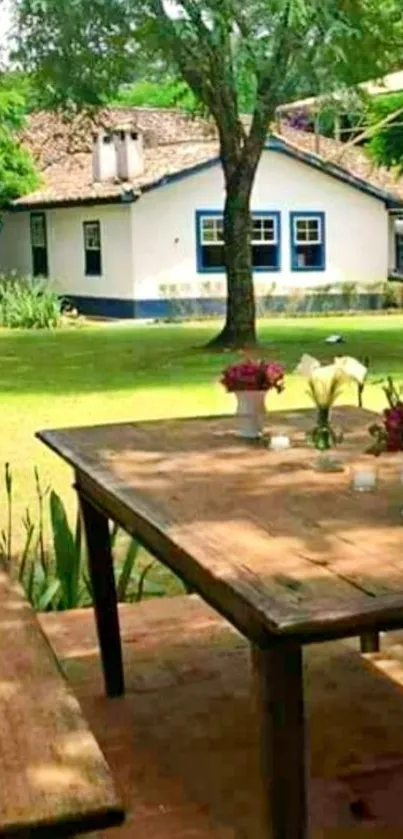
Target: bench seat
{"type": "Point", "coordinates": [54, 780]}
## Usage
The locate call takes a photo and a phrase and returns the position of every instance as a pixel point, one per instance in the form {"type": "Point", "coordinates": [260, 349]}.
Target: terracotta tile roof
{"type": "Point", "coordinates": [173, 142]}
{"type": "Point", "coordinates": [352, 159]}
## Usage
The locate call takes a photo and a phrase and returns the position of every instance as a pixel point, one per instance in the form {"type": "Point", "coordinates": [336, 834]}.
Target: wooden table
{"type": "Point", "coordinates": [288, 555]}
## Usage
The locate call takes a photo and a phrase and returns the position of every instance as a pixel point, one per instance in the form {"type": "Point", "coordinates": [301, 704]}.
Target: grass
{"type": "Point", "coordinates": [109, 373]}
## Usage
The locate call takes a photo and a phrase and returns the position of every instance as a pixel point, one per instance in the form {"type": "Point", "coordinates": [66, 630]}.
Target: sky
{"type": "Point", "coordinates": [5, 19]}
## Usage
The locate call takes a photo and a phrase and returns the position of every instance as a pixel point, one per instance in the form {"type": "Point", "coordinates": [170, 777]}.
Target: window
{"type": "Point", "coordinates": [308, 241]}
{"type": "Point", "coordinates": [39, 245]}
{"type": "Point", "coordinates": [211, 247]}
{"type": "Point", "coordinates": [399, 253]}
{"type": "Point", "coordinates": [265, 241]}
{"type": "Point", "coordinates": [92, 246]}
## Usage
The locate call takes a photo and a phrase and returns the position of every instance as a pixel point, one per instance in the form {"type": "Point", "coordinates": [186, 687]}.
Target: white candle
{"type": "Point", "coordinates": [280, 442]}
{"type": "Point", "coordinates": [364, 479]}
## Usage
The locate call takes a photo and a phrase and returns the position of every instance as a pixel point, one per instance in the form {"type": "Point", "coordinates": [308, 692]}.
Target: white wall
{"type": "Point", "coordinates": [15, 247]}
{"type": "Point", "coordinates": [165, 239]}
{"type": "Point", "coordinates": [66, 250]}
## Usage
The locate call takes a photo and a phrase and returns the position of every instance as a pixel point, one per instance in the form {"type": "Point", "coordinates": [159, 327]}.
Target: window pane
{"type": "Point", "coordinates": [213, 256]}
{"type": "Point", "coordinates": [313, 230]}
{"type": "Point", "coordinates": [264, 230]}
{"type": "Point", "coordinates": [307, 230]}
{"type": "Point", "coordinates": [92, 235]}
{"type": "Point", "coordinates": [93, 267]}
{"type": "Point", "coordinates": [399, 252]}
{"type": "Point", "coordinates": [38, 230]}
{"type": "Point", "coordinates": [309, 256]}
{"type": "Point", "coordinates": [39, 262]}
{"type": "Point", "coordinates": [212, 230]}
{"type": "Point", "coordinates": [265, 256]}
{"type": "Point", "coordinates": [208, 233]}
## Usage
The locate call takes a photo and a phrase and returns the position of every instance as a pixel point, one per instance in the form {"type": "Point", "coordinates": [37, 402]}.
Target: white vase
{"type": "Point", "coordinates": [251, 413]}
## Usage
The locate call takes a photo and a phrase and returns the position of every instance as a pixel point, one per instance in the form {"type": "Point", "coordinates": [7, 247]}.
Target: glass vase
{"type": "Point", "coordinates": [251, 413]}
{"type": "Point", "coordinates": [323, 436]}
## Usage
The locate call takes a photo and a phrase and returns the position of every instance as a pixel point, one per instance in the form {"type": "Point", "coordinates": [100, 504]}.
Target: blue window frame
{"type": "Point", "coordinates": [265, 241]}
{"type": "Point", "coordinates": [308, 245]}
{"type": "Point", "coordinates": [399, 253]}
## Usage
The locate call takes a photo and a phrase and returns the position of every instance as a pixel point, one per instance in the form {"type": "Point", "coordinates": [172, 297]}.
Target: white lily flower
{"type": "Point", "coordinates": [324, 384]}
{"type": "Point", "coordinates": [352, 368]}
{"type": "Point", "coordinates": [307, 365]}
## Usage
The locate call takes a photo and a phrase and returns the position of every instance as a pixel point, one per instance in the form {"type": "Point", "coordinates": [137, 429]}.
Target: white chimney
{"type": "Point", "coordinates": [129, 153]}
{"type": "Point", "coordinates": [104, 158]}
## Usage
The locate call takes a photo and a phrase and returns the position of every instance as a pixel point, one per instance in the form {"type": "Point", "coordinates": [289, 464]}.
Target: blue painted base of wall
{"type": "Point", "coordinates": [109, 307]}
{"type": "Point", "coordinates": [103, 307]}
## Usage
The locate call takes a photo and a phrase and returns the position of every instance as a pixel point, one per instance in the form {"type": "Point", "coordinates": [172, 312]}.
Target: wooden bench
{"type": "Point", "coordinates": [54, 780]}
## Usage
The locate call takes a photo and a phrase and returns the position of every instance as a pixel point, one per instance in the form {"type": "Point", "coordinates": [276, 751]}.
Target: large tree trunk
{"type": "Point", "coordinates": [240, 324]}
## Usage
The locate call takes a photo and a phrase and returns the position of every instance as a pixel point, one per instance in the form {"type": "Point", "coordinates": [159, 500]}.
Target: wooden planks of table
{"type": "Point", "coordinates": [288, 555]}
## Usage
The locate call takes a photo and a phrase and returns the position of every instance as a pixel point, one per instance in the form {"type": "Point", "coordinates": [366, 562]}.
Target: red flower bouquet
{"type": "Point", "coordinates": [389, 436]}
{"type": "Point", "coordinates": [254, 375]}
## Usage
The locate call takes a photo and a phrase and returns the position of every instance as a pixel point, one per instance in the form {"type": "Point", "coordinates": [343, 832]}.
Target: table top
{"type": "Point", "coordinates": [277, 547]}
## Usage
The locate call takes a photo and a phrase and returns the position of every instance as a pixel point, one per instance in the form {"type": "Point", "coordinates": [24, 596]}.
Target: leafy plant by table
{"type": "Point", "coordinates": [57, 579]}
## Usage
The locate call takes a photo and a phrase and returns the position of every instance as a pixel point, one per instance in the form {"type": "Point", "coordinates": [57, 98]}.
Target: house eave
{"type": "Point", "coordinates": [93, 201]}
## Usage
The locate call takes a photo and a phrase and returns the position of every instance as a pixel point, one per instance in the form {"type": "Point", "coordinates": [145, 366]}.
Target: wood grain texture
{"type": "Point", "coordinates": [104, 591]}
{"type": "Point", "coordinates": [280, 703]}
{"type": "Point", "coordinates": [54, 780]}
{"type": "Point", "coordinates": [272, 544]}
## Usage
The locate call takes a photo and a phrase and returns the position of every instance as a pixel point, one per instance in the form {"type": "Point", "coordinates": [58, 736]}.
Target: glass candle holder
{"type": "Point", "coordinates": [364, 477]}
{"type": "Point", "coordinates": [280, 442]}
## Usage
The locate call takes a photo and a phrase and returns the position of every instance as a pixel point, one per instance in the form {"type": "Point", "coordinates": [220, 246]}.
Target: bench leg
{"type": "Point", "coordinates": [279, 689]}
{"type": "Point", "coordinates": [104, 589]}
{"type": "Point", "coordinates": [370, 642]}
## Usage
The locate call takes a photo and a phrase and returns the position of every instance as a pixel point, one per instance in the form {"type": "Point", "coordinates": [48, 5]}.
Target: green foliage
{"type": "Point", "coordinates": [167, 93]}
{"type": "Point", "coordinates": [392, 295]}
{"type": "Point", "coordinates": [386, 144]}
{"type": "Point", "coordinates": [27, 303]}
{"type": "Point", "coordinates": [81, 52]}
{"type": "Point", "coordinates": [68, 554]}
{"type": "Point", "coordinates": [78, 52]}
{"type": "Point", "coordinates": [58, 580]}
{"type": "Point", "coordinates": [350, 295]}
{"type": "Point", "coordinates": [17, 83]}
{"type": "Point", "coordinates": [17, 171]}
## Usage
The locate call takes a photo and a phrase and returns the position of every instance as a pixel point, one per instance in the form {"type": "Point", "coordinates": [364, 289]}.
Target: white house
{"type": "Point", "coordinates": [129, 215]}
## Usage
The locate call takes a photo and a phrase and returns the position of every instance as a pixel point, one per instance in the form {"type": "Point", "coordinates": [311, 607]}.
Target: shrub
{"type": "Point", "coordinates": [349, 295]}
{"type": "Point", "coordinates": [390, 295]}
{"type": "Point", "coordinates": [27, 303]}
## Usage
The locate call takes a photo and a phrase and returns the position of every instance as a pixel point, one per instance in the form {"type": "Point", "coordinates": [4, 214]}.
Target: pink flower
{"type": "Point", "coordinates": [254, 375]}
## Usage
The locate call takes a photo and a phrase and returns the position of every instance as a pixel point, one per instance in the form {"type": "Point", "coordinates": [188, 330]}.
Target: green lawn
{"type": "Point", "coordinates": [108, 373]}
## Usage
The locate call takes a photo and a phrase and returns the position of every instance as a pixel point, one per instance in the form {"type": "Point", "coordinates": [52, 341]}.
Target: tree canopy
{"type": "Point", "coordinates": [17, 171]}
{"type": "Point", "coordinates": [386, 143]}
{"type": "Point", "coordinates": [80, 52]}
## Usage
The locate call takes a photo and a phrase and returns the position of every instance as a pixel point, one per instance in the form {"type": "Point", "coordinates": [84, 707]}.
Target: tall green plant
{"type": "Point", "coordinates": [55, 577]}
{"type": "Point", "coordinates": [27, 303]}
{"type": "Point", "coordinates": [68, 555]}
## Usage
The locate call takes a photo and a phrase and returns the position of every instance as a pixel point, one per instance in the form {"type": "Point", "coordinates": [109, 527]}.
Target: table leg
{"type": "Point", "coordinates": [104, 590]}
{"type": "Point", "coordinates": [370, 642]}
{"type": "Point", "coordinates": [279, 688]}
